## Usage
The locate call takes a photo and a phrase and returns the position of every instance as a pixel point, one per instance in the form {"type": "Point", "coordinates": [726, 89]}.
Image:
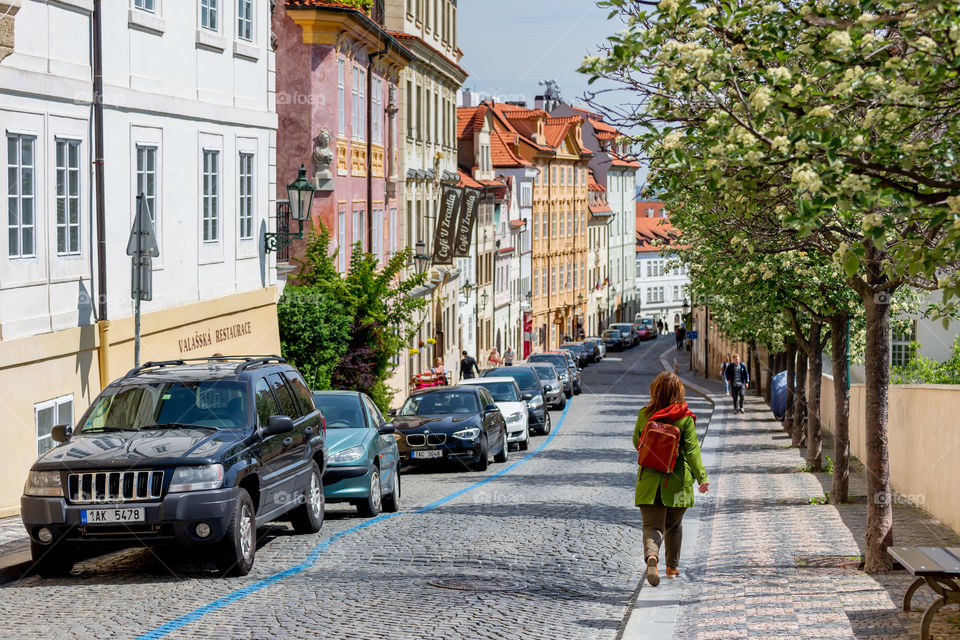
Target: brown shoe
{"type": "Point", "coordinates": [672, 572]}
{"type": "Point", "coordinates": [652, 576]}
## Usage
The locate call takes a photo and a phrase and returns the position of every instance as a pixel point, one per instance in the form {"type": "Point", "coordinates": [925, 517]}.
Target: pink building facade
{"type": "Point", "coordinates": [337, 100]}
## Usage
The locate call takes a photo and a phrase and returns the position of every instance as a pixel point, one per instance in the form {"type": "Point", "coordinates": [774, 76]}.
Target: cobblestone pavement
{"type": "Point", "coordinates": [562, 523]}
{"type": "Point", "coordinates": [744, 579]}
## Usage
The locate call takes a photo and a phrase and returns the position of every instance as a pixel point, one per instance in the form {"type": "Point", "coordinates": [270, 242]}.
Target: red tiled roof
{"type": "Point", "coordinates": [597, 209]}
{"type": "Point", "coordinates": [406, 36]}
{"type": "Point", "coordinates": [501, 148]}
{"type": "Point", "coordinates": [517, 224]}
{"type": "Point", "coordinates": [650, 230]}
{"type": "Point", "coordinates": [619, 162]}
{"type": "Point", "coordinates": [593, 185]}
{"type": "Point", "coordinates": [466, 180]}
{"type": "Point", "coordinates": [469, 119]}
{"type": "Point", "coordinates": [517, 113]}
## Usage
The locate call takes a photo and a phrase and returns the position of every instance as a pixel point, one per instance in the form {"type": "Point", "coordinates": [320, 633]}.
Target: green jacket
{"type": "Point", "coordinates": [678, 491]}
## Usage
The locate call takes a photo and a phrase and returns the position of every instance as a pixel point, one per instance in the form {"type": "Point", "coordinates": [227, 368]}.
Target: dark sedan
{"type": "Point", "coordinates": [614, 340]}
{"type": "Point", "coordinates": [531, 390]}
{"type": "Point", "coordinates": [578, 352]}
{"type": "Point", "coordinates": [563, 363]}
{"type": "Point", "coordinates": [629, 332]}
{"type": "Point", "coordinates": [452, 423]}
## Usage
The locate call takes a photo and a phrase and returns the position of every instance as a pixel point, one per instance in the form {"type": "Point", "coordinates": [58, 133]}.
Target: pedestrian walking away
{"type": "Point", "coordinates": [664, 497]}
{"type": "Point", "coordinates": [738, 379]}
{"type": "Point", "coordinates": [679, 339]}
{"type": "Point", "coordinates": [468, 365]}
{"type": "Point", "coordinates": [508, 357]}
{"type": "Point", "coordinates": [659, 326]}
{"type": "Point", "coordinates": [723, 373]}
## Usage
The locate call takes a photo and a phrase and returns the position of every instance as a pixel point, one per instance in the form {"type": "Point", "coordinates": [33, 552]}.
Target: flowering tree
{"type": "Point", "coordinates": [837, 121]}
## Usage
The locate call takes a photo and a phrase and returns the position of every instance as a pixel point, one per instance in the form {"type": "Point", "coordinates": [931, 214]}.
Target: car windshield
{"type": "Point", "coordinates": [212, 403]}
{"type": "Point", "coordinates": [340, 411]}
{"type": "Point", "coordinates": [439, 403]}
{"type": "Point", "coordinates": [557, 361]}
{"type": "Point", "coordinates": [526, 379]}
{"type": "Point", "coordinates": [546, 372]}
{"type": "Point", "coordinates": [502, 391]}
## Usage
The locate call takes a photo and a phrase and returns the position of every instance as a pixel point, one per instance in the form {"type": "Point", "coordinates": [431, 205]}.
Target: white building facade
{"type": "Point", "coordinates": [662, 281]}
{"type": "Point", "coordinates": [189, 120]}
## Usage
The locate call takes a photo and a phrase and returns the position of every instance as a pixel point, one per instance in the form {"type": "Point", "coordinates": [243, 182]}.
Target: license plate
{"type": "Point", "coordinates": [426, 454]}
{"type": "Point", "coordinates": [109, 516]}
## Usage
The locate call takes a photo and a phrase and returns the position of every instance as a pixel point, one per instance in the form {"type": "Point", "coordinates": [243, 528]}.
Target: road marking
{"type": "Point", "coordinates": [322, 546]}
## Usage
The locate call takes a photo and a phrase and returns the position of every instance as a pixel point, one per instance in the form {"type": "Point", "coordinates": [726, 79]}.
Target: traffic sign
{"type": "Point", "coordinates": [143, 241]}
{"type": "Point", "coordinates": [691, 335]}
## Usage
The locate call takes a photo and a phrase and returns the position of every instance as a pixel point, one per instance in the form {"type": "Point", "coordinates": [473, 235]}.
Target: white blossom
{"type": "Point", "coordinates": [823, 111]}
{"type": "Point", "coordinates": [926, 43]}
{"type": "Point", "coordinates": [807, 179]}
{"type": "Point", "coordinates": [671, 140]}
{"type": "Point", "coordinates": [838, 39]}
{"type": "Point", "coordinates": [954, 203]}
{"type": "Point", "coordinates": [781, 144]}
{"type": "Point", "coordinates": [780, 74]}
{"type": "Point", "coordinates": [669, 6]}
{"type": "Point", "coordinates": [760, 98]}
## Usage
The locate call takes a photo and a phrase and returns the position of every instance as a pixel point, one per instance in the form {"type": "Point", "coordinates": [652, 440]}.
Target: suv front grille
{"type": "Point", "coordinates": [114, 486]}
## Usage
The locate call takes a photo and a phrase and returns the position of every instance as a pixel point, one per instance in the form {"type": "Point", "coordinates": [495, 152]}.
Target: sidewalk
{"type": "Point", "coordinates": [760, 561]}
{"type": "Point", "coordinates": [14, 549]}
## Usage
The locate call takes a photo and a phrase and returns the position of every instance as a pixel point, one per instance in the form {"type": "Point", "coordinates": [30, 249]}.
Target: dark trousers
{"type": "Point", "coordinates": [679, 341]}
{"type": "Point", "coordinates": [662, 524]}
{"type": "Point", "coordinates": [736, 390]}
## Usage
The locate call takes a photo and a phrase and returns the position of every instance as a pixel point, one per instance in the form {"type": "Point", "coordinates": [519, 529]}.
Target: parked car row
{"type": "Point", "coordinates": [624, 335]}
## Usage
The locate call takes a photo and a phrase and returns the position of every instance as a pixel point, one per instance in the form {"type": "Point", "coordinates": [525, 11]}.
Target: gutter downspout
{"type": "Point", "coordinates": [547, 330]}
{"type": "Point", "coordinates": [103, 324]}
{"type": "Point", "coordinates": [370, 60]}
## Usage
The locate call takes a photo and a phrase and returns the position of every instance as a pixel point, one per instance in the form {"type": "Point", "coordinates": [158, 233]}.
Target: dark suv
{"type": "Point", "coordinates": [184, 452]}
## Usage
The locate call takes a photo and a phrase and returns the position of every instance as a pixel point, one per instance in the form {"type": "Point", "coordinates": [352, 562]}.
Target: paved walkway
{"type": "Point", "coordinates": [755, 551]}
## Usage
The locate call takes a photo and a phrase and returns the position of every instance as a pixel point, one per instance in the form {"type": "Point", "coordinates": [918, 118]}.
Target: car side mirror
{"type": "Point", "coordinates": [277, 424]}
{"type": "Point", "coordinates": [61, 433]}
{"type": "Point", "coordinates": [392, 412]}
{"type": "Point", "coordinates": [387, 429]}
{"type": "Point", "coordinates": [490, 407]}
{"type": "Point", "coordinates": [527, 396]}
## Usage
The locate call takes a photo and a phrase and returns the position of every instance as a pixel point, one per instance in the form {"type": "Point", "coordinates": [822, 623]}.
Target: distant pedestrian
{"type": "Point", "coordinates": [738, 378]}
{"type": "Point", "coordinates": [723, 373]}
{"type": "Point", "coordinates": [663, 498]}
{"type": "Point", "coordinates": [508, 357]}
{"type": "Point", "coordinates": [679, 339]}
{"type": "Point", "coordinates": [439, 370]}
{"type": "Point", "coordinates": [659, 326]}
{"type": "Point", "coordinates": [467, 367]}
{"type": "Point", "coordinates": [683, 334]}
{"type": "Point", "coordinates": [493, 358]}
{"type": "Point", "coordinates": [666, 327]}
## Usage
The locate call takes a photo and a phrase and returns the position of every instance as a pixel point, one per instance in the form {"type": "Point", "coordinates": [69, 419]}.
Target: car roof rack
{"type": "Point", "coordinates": [245, 361]}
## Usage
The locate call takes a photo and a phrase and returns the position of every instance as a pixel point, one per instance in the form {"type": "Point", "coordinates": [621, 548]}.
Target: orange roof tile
{"type": "Point", "coordinates": [469, 119]}
{"type": "Point", "coordinates": [650, 230]}
{"type": "Point", "coordinates": [593, 185]}
{"type": "Point", "coordinates": [501, 148]}
{"type": "Point", "coordinates": [466, 180]}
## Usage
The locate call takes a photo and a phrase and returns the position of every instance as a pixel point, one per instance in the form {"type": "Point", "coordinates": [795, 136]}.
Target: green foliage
{"type": "Point", "coordinates": [824, 499]}
{"type": "Point", "coordinates": [370, 307]}
{"type": "Point", "coordinates": [923, 370]}
{"type": "Point", "coordinates": [313, 334]}
{"type": "Point", "coordinates": [362, 5]}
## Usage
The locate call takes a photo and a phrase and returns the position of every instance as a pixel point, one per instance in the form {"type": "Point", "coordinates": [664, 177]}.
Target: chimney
{"type": "Point", "coordinates": [467, 98]}
{"type": "Point", "coordinates": [538, 102]}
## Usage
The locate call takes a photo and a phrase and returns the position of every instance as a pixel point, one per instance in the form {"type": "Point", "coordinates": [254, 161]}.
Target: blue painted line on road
{"type": "Point", "coordinates": [315, 553]}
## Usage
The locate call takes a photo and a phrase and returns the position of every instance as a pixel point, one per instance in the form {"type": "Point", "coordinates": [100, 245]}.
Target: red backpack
{"type": "Point", "coordinates": [658, 447]}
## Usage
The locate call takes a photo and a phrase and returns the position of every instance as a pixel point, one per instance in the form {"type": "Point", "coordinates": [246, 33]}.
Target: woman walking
{"type": "Point", "coordinates": [723, 373]}
{"type": "Point", "coordinates": [663, 497]}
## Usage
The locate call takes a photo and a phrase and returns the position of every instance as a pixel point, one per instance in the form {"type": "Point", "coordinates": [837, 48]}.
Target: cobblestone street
{"type": "Point", "coordinates": [562, 522]}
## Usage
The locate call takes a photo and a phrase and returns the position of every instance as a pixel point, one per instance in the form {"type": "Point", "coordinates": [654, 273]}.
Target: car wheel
{"type": "Point", "coordinates": [236, 552]}
{"type": "Point", "coordinates": [308, 517]}
{"type": "Point", "coordinates": [562, 403]}
{"type": "Point", "coordinates": [391, 503]}
{"type": "Point", "coordinates": [51, 561]}
{"type": "Point", "coordinates": [547, 424]}
{"type": "Point", "coordinates": [504, 450]}
{"type": "Point", "coordinates": [577, 390]}
{"type": "Point", "coordinates": [374, 502]}
{"type": "Point", "coordinates": [569, 393]}
{"type": "Point", "coordinates": [525, 444]}
{"type": "Point", "coordinates": [484, 461]}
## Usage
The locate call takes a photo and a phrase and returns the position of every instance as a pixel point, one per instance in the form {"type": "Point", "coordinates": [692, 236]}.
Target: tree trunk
{"type": "Point", "coordinates": [814, 437]}
{"type": "Point", "coordinates": [791, 377]}
{"type": "Point", "coordinates": [839, 491]}
{"type": "Point", "coordinates": [800, 400]}
{"type": "Point", "coordinates": [756, 366]}
{"type": "Point", "coordinates": [771, 362]}
{"type": "Point", "coordinates": [879, 533]}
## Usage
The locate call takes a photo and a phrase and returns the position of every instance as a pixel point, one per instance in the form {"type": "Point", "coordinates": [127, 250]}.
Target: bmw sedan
{"type": "Point", "coordinates": [506, 394]}
{"type": "Point", "coordinates": [363, 464]}
{"type": "Point", "coordinates": [452, 423]}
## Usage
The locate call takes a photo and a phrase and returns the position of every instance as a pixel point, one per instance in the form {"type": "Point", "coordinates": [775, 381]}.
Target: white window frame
{"type": "Point", "coordinates": [901, 351]}
{"type": "Point", "coordinates": [68, 175]}
{"type": "Point", "coordinates": [245, 26]}
{"type": "Point", "coordinates": [14, 194]}
{"type": "Point", "coordinates": [144, 150]}
{"type": "Point", "coordinates": [342, 237]}
{"type": "Point", "coordinates": [376, 97]}
{"type": "Point", "coordinates": [55, 404]}
{"type": "Point", "coordinates": [142, 5]}
{"type": "Point", "coordinates": [341, 114]}
{"type": "Point", "coordinates": [210, 15]}
{"type": "Point", "coordinates": [378, 232]}
{"type": "Point", "coordinates": [246, 194]}
{"type": "Point", "coordinates": [210, 196]}
{"type": "Point", "coordinates": [393, 231]}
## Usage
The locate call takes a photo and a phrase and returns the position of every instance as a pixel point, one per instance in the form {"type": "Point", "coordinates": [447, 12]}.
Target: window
{"type": "Point", "coordinates": [903, 348]}
{"type": "Point", "coordinates": [378, 234]}
{"type": "Point", "coordinates": [245, 20]}
{"type": "Point", "coordinates": [436, 117]}
{"type": "Point", "coordinates": [211, 195]}
{"type": "Point", "coordinates": [48, 415]}
{"type": "Point", "coordinates": [419, 127]}
{"type": "Point", "coordinates": [209, 14]}
{"type": "Point", "coordinates": [562, 176]}
{"type": "Point", "coordinates": [376, 97]}
{"type": "Point", "coordinates": [676, 292]}
{"type": "Point", "coordinates": [536, 282]}
{"type": "Point", "coordinates": [246, 196]}
{"type": "Point", "coordinates": [536, 223]}
{"type": "Point", "coordinates": [562, 283]}
{"type": "Point", "coordinates": [266, 403]}
{"type": "Point", "coordinates": [288, 406]}
{"type": "Point", "coordinates": [68, 197]}
{"type": "Point", "coordinates": [411, 129]}
{"type": "Point", "coordinates": [21, 188]}
{"type": "Point", "coordinates": [342, 238]}
{"type": "Point", "coordinates": [354, 228]}
{"type": "Point", "coordinates": [570, 225]}
{"type": "Point", "coordinates": [300, 391]}
{"type": "Point", "coordinates": [393, 230]}
{"type": "Point", "coordinates": [358, 105]}
{"type": "Point", "coordinates": [562, 215]}
{"type": "Point", "coordinates": [147, 178]}
{"type": "Point", "coordinates": [526, 194]}
{"type": "Point", "coordinates": [553, 226]}
{"type": "Point", "coordinates": [341, 121]}
{"type": "Point", "coordinates": [574, 274]}
{"type": "Point", "coordinates": [145, 5]}
{"type": "Point", "coordinates": [553, 279]}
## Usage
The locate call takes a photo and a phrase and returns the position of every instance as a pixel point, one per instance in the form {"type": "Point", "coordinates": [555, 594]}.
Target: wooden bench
{"type": "Point", "coordinates": [938, 567]}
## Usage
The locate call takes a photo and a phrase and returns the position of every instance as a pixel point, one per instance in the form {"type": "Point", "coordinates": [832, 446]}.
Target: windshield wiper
{"type": "Point", "coordinates": [106, 430]}
{"type": "Point", "coordinates": [179, 425]}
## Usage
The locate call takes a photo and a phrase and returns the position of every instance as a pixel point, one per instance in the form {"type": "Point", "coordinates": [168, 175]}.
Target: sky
{"type": "Point", "coordinates": [511, 45]}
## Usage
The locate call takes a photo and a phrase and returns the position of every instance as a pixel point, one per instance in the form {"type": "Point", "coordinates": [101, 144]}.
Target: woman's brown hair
{"type": "Point", "coordinates": [665, 390]}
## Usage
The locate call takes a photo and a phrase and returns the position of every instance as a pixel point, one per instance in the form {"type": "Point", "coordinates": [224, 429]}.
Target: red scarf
{"type": "Point", "coordinates": [671, 414]}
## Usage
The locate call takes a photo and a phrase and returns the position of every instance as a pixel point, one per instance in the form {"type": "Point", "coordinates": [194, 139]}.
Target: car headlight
{"type": "Point", "coordinates": [515, 417]}
{"type": "Point", "coordinates": [43, 483]}
{"type": "Point", "coordinates": [535, 402]}
{"type": "Point", "coordinates": [564, 377]}
{"type": "Point", "coordinates": [347, 455]}
{"type": "Point", "coordinates": [196, 478]}
{"type": "Point", "coordinates": [467, 434]}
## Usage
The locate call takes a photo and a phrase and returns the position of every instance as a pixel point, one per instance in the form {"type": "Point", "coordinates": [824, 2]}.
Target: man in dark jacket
{"type": "Point", "coordinates": [467, 366]}
{"type": "Point", "coordinates": [738, 378]}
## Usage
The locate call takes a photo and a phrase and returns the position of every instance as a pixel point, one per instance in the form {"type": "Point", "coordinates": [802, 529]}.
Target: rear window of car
{"type": "Point", "coordinates": [526, 379]}
{"type": "Point", "coordinates": [546, 371]}
{"type": "Point", "coordinates": [557, 361]}
{"type": "Point", "coordinates": [300, 392]}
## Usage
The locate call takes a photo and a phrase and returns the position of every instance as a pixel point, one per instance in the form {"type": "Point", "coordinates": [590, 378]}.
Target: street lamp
{"type": "Point", "coordinates": [483, 301]}
{"type": "Point", "coordinates": [300, 193]}
{"type": "Point", "coordinates": [420, 258]}
{"type": "Point", "coordinates": [686, 308]}
{"type": "Point", "coordinates": [465, 290]}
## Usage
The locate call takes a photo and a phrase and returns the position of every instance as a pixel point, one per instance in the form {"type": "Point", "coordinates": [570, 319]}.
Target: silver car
{"type": "Point", "coordinates": [552, 387]}
{"type": "Point", "coordinates": [561, 361]}
{"type": "Point", "coordinates": [602, 347]}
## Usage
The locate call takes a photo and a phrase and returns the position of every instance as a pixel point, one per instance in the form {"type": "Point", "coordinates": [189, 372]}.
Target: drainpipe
{"type": "Point", "coordinates": [549, 249]}
{"type": "Point", "coordinates": [370, 60]}
{"type": "Point", "coordinates": [103, 324]}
